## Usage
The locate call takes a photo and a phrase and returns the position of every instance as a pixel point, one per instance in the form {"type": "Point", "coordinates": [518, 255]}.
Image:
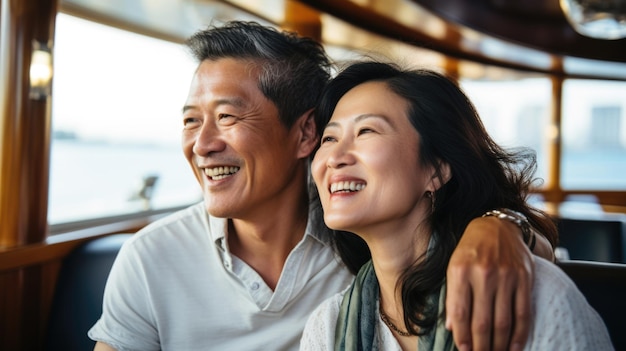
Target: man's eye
{"type": "Point", "coordinates": [189, 120]}
{"type": "Point", "coordinates": [365, 131]}
{"type": "Point", "coordinates": [225, 119]}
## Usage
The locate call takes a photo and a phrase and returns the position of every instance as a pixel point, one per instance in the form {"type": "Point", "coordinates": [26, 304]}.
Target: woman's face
{"type": "Point", "coordinates": [367, 168]}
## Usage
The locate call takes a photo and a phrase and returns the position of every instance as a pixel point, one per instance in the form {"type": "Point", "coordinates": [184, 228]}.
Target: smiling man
{"type": "Point", "coordinates": [244, 269]}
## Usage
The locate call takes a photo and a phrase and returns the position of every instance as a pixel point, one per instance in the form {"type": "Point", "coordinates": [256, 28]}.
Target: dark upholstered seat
{"type": "Point", "coordinates": [77, 302]}
{"type": "Point", "coordinates": [593, 239]}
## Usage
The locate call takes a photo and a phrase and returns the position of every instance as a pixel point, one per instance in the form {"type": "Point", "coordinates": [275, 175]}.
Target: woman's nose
{"type": "Point", "coordinates": [340, 156]}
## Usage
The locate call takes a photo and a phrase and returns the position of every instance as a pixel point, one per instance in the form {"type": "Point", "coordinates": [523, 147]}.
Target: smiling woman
{"type": "Point", "coordinates": [400, 133]}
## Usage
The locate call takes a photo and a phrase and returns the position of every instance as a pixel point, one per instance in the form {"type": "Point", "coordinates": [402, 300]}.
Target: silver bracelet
{"type": "Point", "coordinates": [528, 235]}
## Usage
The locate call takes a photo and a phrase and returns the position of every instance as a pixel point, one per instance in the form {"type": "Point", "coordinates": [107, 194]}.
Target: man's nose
{"type": "Point", "coordinates": [208, 140]}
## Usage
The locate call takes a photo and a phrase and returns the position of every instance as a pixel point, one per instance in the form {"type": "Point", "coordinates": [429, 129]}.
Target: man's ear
{"type": "Point", "coordinates": [438, 180]}
{"type": "Point", "coordinates": [308, 134]}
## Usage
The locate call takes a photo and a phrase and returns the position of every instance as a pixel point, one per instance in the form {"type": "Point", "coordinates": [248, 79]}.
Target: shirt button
{"type": "Point", "coordinates": [254, 286]}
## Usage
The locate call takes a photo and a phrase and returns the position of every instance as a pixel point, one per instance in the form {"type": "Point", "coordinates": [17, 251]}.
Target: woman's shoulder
{"type": "Point", "coordinates": [319, 331]}
{"type": "Point", "coordinates": [328, 310]}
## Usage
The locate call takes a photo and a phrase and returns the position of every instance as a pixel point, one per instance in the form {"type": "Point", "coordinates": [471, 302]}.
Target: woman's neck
{"type": "Point", "coordinates": [395, 246]}
{"type": "Point", "coordinates": [392, 253]}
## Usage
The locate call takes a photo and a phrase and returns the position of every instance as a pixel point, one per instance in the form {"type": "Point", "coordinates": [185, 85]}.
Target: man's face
{"type": "Point", "coordinates": [241, 154]}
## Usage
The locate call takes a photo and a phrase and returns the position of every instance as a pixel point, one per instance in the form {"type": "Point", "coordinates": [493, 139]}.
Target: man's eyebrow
{"type": "Point", "coordinates": [187, 108]}
{"type": "Point", "coordinates": [233, 101]}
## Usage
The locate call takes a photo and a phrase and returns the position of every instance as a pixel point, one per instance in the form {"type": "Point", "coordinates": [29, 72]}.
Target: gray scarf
{"type": "Point", "coordinates": [358, 316]}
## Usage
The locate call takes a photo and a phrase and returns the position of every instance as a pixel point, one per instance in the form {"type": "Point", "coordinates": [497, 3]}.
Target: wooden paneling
{"type": "Point", "coordinates": [25, 292]}
{"type": "Point", "coordinates": [534, 23]}
{"type": "Point", "coordinates": [28, 278]}
{"type": "Point", "coordinates": [25, 301]}
{"type": "Point", "coordinates": [24, 123]}
{"type": "Point", "coordinates": [302, 19]}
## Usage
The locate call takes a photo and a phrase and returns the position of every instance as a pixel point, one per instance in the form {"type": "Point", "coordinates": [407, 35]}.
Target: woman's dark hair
{"type": "Point", "coordinates": [294, 69]}
{"type": "Point", "coordinates": [484, 175]}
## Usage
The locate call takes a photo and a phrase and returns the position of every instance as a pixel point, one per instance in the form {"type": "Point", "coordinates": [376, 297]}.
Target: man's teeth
{"type": "Point", "coordinates": [218, 173]}
{"type": "Point", "coordinates": [346, 186]}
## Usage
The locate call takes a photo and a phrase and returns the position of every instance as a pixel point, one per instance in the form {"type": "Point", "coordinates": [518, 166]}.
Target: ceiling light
{"type": "Point", "coordinates": [600, 19]}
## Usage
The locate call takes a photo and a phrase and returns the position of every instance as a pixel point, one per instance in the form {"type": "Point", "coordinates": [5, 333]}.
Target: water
{"type": "Point", "coordinates": [89, 179]}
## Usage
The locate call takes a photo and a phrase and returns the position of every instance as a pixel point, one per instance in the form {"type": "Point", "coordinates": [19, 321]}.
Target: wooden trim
{"type": "Point", "coordinates": [24, 123]}
{"type": "Point", "coordinates": [611, 201]}
{"type": "Point", "coordinates": [75, 10]}
{"type": "Point", "coordinates": [35, 254]}
{"type": "Point", "coordinates": [555, 138]}
{"type": "Point", "coordinates": [369, 19]}
{"type": "Point", "coordinates": [58, 246]}
{"type": "Point", "coordinates": [303, 20]}
{"type": "Point", "coordinates": [89, 14]}
{"type": "Point", "coordinates": [24, 171]}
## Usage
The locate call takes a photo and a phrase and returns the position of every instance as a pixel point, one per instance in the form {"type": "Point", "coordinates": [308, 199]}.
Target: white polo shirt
{"type": "Point", "coordinates": [175, 286]}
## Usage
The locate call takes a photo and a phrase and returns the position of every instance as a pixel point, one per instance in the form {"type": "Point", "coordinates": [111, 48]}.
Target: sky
{"type": "Point", "coordinates": [114, 85]}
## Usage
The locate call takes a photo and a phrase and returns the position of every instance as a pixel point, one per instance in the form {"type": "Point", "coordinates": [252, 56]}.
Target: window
{"type": "Point", "coordinates": [594, 135]}
{"type": "Point", "coordinates": [116, 123]}
{"type": "Point", "coordinates": [605, 127]}
{"type": "Point", "coordinates": [515, 113]}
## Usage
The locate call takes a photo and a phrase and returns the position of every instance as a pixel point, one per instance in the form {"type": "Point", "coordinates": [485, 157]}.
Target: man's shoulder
{"type": "Point", "coordinates": [192, 220]}
{"type": "Point", "coordinates": [192, 215]}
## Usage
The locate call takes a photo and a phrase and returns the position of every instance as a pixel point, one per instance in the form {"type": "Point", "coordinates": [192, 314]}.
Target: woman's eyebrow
{"type": "Point", "coordinates": [372, 115]}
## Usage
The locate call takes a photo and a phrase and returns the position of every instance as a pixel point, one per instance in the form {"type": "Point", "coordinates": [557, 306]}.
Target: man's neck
{"type": "Point", "coordinates": [265, 245]}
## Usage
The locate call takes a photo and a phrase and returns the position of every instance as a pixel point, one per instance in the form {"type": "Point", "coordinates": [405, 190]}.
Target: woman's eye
{"type": "Point", "coordinates": [327, 139]}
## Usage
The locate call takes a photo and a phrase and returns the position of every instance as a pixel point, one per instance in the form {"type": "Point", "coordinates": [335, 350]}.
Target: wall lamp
{"type": "Point", "coordinates": [40, 71]}
{"type": "Point", "coordinates": [600, 19]}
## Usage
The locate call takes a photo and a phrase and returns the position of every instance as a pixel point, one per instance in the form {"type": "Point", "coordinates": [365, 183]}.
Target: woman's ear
{"type": "Point", "coordinates": [308, 134]}
{"type": "Point", "coordinates": [441, 178]}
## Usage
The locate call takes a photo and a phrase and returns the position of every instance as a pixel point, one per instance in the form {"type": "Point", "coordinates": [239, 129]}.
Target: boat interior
{"type": "Point", "coordinates": [52, 276]}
